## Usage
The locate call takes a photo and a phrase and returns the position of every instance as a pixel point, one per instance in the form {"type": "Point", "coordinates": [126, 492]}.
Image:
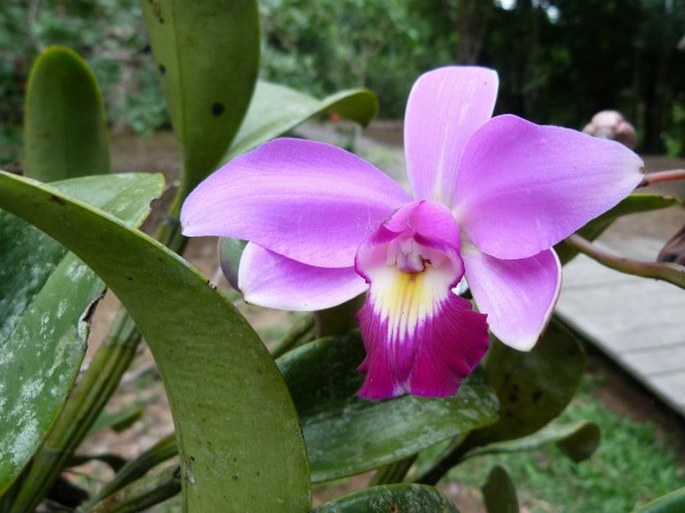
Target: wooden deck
{"type": "Point", "coordinates": [639, 323]}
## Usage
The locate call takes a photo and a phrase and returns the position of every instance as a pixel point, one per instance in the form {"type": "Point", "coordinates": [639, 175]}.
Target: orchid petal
{"type": "Point", "coordinates": [420, 337]}
{"type": "Point", "coordinates": [268, 279]}
{"type": "Point", "coordinates": [308, 201]}
{"type": "Point", "coordinates": [444, 108]}
{"type": "Point", "coordinates": [518, 295]}
{"type": "Point", "coordinates": [420, 233]}
{"type": "Point", "coordinates": [523, 187]}
{"type": "Point", "coordinates": [447, 342]}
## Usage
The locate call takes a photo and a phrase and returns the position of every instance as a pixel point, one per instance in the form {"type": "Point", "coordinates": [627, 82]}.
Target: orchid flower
{"type": "Point", "coordinates": [490, 197]}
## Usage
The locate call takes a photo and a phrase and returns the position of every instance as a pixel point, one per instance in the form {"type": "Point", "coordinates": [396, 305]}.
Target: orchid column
{"type": "Point", "coordinates": [491, 196]}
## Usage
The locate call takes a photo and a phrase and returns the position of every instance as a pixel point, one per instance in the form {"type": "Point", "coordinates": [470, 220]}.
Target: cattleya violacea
{"type": "Point", "coordinates": [490, 198]}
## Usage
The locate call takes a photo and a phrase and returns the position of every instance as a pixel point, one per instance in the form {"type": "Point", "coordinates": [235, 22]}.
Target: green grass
{"type": "Point", "coordinates": [631, 467]}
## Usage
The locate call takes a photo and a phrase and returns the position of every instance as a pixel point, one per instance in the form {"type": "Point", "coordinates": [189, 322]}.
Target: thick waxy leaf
{"type": "Point", "coordinates": [633, 204]}
{"type": "Point", "coordinates": [402, 498]}
{"type": "Point", "coordinates": [673, 502]}
{"type": "Point", "coordinates": [346, 435]}
{"type": "Point", "coordinates": [499, 492]}
{"type": "Point", "coordinates": [275, 109]}
{"type": "Point", "coordinates": [533, 388]}
{"type": "Point", "coordinates": [578, 441]}
{"type": "Point", "coordinates": [65, 132]}
{"type": "Point", "coordinates": [207, 55]}
{"type": "Point", "coordinates": [44, 291]}
{"type": "Point", "coordinates": [240, 443]}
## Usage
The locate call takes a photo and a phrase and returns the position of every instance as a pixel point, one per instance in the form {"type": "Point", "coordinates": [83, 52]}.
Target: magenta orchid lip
{"type": "Point", "coordinates": [491, 197]}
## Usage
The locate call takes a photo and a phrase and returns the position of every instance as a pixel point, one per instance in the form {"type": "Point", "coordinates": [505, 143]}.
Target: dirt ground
{"type": "Point", "coordinates": [141, 385]}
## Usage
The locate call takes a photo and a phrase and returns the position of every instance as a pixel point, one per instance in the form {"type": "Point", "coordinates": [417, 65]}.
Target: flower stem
{"type": "Point", "coordinates": [672, 273]}
{"type": "Point", "coordinates": [663, 176]}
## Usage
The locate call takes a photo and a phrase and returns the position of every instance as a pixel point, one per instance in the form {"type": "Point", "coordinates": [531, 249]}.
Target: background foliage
{"type": "Point", "coordinates": [559, 61]}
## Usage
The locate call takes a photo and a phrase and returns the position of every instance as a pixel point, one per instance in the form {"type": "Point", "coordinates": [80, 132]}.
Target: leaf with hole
{"type": "Point", "coordinates": [207, 55]}
{"type": "Point", "coordinates": [533, 388]}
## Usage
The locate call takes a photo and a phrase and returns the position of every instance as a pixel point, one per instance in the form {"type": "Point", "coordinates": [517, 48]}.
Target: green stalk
{"type": "Point", "coordinates": [142, 494]}
{"type": "Point", "coordinates": [339, 319]}
{"type": "Point", "coordinates": [455, 455]}
{"type": "Point", "coordinates": [302, 331]}
{"type": "Point", "coordinates": [162, 451]}
{"type": "Point", "coordinates": [393, 473]}
{"type": "Point", "coordinates": [91, 394]}
{"type": "Point", "coordinates": [672, 273]}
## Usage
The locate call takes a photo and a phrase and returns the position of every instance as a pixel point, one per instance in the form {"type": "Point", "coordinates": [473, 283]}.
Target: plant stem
{"type": "Point", "coordinates": [461, 446]}
{"type": "Point", "coordinates": [141, 494]}
{"type": "Point", "coordinates": [300, 332]}
{"type": "Point", "coordinates": [672, 273]}
{"type": "Point", "coordinates": [162, 451]}
{"type": "Point", "coordinates": [339, 319]}
{"type": "Point", "coordinates": [393, 473]}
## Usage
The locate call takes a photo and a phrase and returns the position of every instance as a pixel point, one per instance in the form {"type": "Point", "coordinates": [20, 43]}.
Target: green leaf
{"type": "Point", "coordinates": [533, 388]}
{"type": "Point", "coordinates": [207, 55]}
{"type": "Point", "coordinates": [275, 109]}
{"type": "Point", "coordinates": [581, 443]}
{"type": "Point", "coordinates": [118, 421]}
{"type": "Point", "coordinates": [346, 435]}
{"type": "Point", "coordinates": [499, 492]}
{"type": "Point", "coordinates": [239, 439]}
{"type": "Point", "coordinates": [401, 498]}
{"type": "Point", "coordinates": [673, 502]}
{"type": "Point", "coordinates": [65, 131]}
{"type": "Point", "coordinates": [163, 450]}
{"type": "Point", "coordinates": [44, 292]}
{"type": "Point", "coordinates": [578, 441]}
{"type": "Point", "coordinates": [633, 204]}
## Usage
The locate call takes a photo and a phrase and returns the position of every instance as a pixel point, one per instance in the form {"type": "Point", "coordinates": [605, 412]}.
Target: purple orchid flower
{"type": "Point", "coordinates": [491, 196]}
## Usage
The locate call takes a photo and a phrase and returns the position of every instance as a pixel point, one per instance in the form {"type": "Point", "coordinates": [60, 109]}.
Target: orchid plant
{"type": "Point", "coordinates": [491, 197]}
{"type": "Point", "coordinates": [418, 382]}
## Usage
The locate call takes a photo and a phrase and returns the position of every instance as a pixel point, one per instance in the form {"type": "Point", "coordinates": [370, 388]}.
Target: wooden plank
{"type": "Point", "coordinates": [671, 389]}
{"type": "Point", "coordinates": [623, 313]}
{"type": "Point", "coordinates": [657, 360]}
{"type": "Point", "coordinates": [637, 322]}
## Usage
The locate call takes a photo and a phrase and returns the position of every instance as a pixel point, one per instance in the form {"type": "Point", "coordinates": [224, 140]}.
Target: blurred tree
{"type": "Point", "coordinates": [559, 61]}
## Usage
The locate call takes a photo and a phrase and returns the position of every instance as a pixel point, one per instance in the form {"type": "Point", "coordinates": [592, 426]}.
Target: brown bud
{"type": "Point", "coordinates": [674, 250]}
